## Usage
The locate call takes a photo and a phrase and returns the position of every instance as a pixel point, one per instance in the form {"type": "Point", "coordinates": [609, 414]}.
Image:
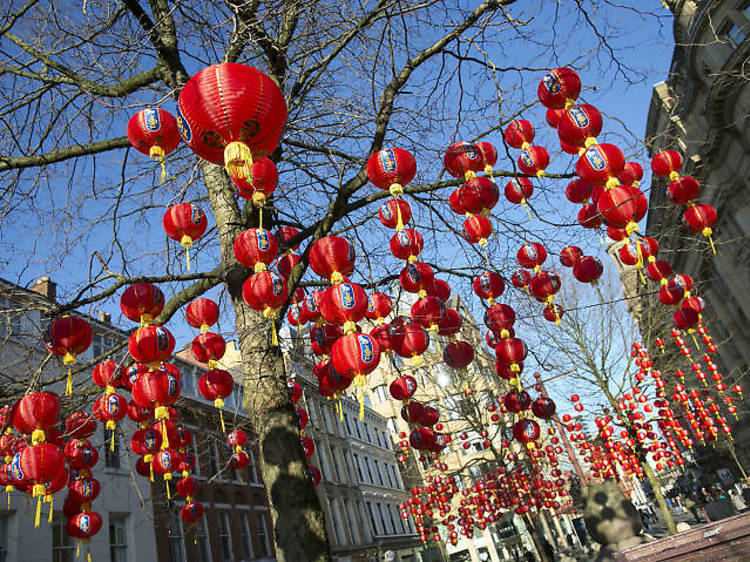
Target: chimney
{"type": "Point", "coordinates": [45, 287]}
{"type": "Point", "coordinates": [104, 317]}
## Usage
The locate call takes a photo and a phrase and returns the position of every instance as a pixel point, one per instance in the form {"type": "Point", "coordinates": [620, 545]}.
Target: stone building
{"type": "Point", "coordinates": [139, 522]}
{"type": "Point", "coordinates": [702, 110]}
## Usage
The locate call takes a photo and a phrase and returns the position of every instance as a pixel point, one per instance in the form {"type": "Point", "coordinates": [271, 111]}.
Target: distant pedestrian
{"type": "Point", "coordinates": [737, 501]}
{"type": "Point", "coordinates": [689, 503]}
{"type": "Point", "coordinates": [645, 519]}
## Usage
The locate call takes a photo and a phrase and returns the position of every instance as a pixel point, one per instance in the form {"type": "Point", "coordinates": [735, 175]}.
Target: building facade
{"type": "Point", "coordinates": [140, 523]}
{"type": "Point", "coordinates": [702, 110]}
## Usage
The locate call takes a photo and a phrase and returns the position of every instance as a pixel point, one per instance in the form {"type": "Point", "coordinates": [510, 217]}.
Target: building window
{"type": "Point", "coordinates": [265, 546]}
{"type": "Point", "coordinates": [368, 402]}
{"type": "Point", "coordinates": [212, 459]}
{"type": "Point", "coordinates": [382, 521]}
{"type": "Point", "coordinates": [118, 544]}
{"type": "Point", "coordinates": [202, 543]}
{"type": "Point", "coordinates": [187, 384]}
{"type": "Point", "coordinates": [336, 470]}
{"type": "Point", "coordinates": [369, 471]}
{"type": "Point", "coordinates": [388, 474]}
{"type": "Point", "coordinates": [174, 538]}
{"type": "Point", "coordinates": [377, 436]}
{"type": "Point", "coordinates": [224, 533]}
{"type": "Point", "coordinates": [63, 549]}
{"type": "Point", "coordinates": [246, 536]}
{"type": "Point", "coordinates": [359, 467]}
{"type": "Point", "coordinates": [391, 510]}
{"type": "Point", "coordinates": [338, 531]}
{"type": "Point", "coordinates": [380, 475]}
{"type": "Point", "coordinates": [111, 454]}
{"type": "Point", "coordinates": [381, 394]}
{"type": "Point", "coordinates": [346, 423]}
{"type": "Point", "coordinates": [351, 522]}
{"type": "Point", "coordinates": [392, 427]}
{"type": "Point", "coordinates": [4, 520]}
{"type": "Point", "coordinates": [367, 433]}
{"type": "Point", "coordinates": [375, 528]}
{"type": "Point", "coordinates": [100, 345]}
{"type": "Point", "coordinates": [11, 321]}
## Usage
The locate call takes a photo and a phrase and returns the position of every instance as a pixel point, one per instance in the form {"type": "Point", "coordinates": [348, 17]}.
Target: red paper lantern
{"type": "Point", "coordinates": [489, 155]}
{"type": "Point", "coordinates": [553, 313]}
{"type": "Point", "coordinates": [620, 207]}
{"type": "Point", "coordinates": [322, 338]}
{"type": "Point", "coordinates": [151, 344]}
{"type": "Point", "coordinates": [154, 390]}
{"type": "Point", "coordinates": [439, 289]}
{"type": "Point", "coordinates": [558, 88]}
{"type": "Point", "coordinates": [544, 285]}
{"type": "Point", "coordinates": [458, 354]}
{"type": "Point", "coordinates": [84, 525]}
{"type": "Point", "coordinates": [659, 271]}
{"type": "Point", "coordinates": [422, 439]}
{"type": "Point", "coordinates": [512, 351]}
{"type": "Point", "coordinates": [79, 425]}
{"type": "Point", "coordinates": [601, 164]}
{"type": "Point", "coordinates": [378, 307]}
{"type": "Point", "coordinates": [531, 255]}
{"type": "Point", "coordinates": [393, 209]}
{"type": "Point", "coordinates": [216, 385]}
{"type": "Point", "coordinates": [238, 438]}
{"type": "Point", "coordinates": [403, 388]}
{"type": "Point", "coordinates": [543, 407]}
{"type": "Point", "coordinates": [107, 373]}
{"type": "Point", "coordinates": [478, 195]}
{"type": "Point", "coordinates": [391, 169]}
{"type": "Point", "coordinates": [526, 431]}
{"type": "Point", "coordinates": [579, 125]}
{"type": "Point", "coordinates": [354, 356]}
{"type": "Point", "coordinates": [685, 318]}
{"type": "Point", "coordinates": [40, 464]}
{"type": "Point", "coordinates": [265, 291]}
{"type": "Point", "coordinates": [519, 190]}
{"type": "Point", "coordinates": [477, 229]}
{"type": "Point", "coordinates": [533, 160]}
{"type": "Point", "coordinates": [80, 454]}
{"type": "Point", "coordinates": [84, 490]}
{"type": "Point", "coordinates": [409, 339]}
{"type": "Point", "coordinates": [427, 312]}
{"type": "Point", "coordinates": [683, 190]}
{"type": "Point", "coordinates": [578, 191]}
{"type": "Point", "coordinates": [406, 244]}
{"type": "Point", "coordinates": [499, 318]}
{"type": "Point", "coordinates": [184, 223]}
{"type": "Point", "coordinates": [208, 347]}
{"type": "Point", "coordinates": [188, 487]}
{"type": "Point", "coordinates": [35, 412]}
{"type": "Point", "coordinates": [569, 255]}
{"type": "Point", "coordinates": [450, 325]}
{"type": "Point", "coordinates": [588, 216]}
{"type": "Point", "coordinates": [700, 218]}
{"type": "Point", "coordinates": [110, 409]}
{"type": "Point", "coordinates": [332, 258]}
{"type": "Point", "coordinates": [552, 116]}
{"type": "Point", "coordinates": [416, 278]}
{"type": "Point", "coordinates": [256, 248]}
{"type": "Point", "coordinates": [667, 163]}
{"type": "Point", "coordinates": [344, 304]}
{"type": "Point", "coordinates": [153, 131]}
{"type": "Point", "coordinates": [520, 279]}
{"type": "Point", "coordinates": [142, 302]}
{"type": "Point", "coordinates": [260, 183]}
{"type": "Point", "coordinates": [67, 337]}
{"type": "Point", "coordinates": [231, 114]}
{"type": "Point", "coordinates": [463, 159]}
{"type": "Point", "coordinates": [631, 174]}
{"type": "Point", "coordinates": [191, 512]}
{"type": "Point", "coordinates": [519, 133]}
{"type": "Point", "coordinates": [202, 313]}
{"type": "Point", "coordinates": [489, 286]}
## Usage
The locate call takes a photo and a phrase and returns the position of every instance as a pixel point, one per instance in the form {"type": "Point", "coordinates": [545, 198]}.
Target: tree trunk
{"type": "Point", "coordinates": [298, 520]}
{"type": "Point", "coordinates": [656, 486]}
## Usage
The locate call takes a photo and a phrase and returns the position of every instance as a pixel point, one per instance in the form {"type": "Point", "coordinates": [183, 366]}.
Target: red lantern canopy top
{"type": "Point", "coordinates": [231, 114]}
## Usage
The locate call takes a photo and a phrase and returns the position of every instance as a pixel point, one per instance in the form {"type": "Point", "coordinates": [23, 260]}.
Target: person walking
{"type": "Point", "coordinates": [691, 506]}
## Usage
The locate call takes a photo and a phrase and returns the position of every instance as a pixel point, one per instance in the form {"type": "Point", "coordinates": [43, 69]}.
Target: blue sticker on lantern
{"type": "Point", "coordinates": [113, 404]}
{"type": "Point", "coordinates": [87, 488]}
{"type": "Point", "coordinates": [413, 273]}
{"type": "Point", "coordinates": [261, 235]}
{"type": "Point", "coordinates": [579, 116]}
{"type": "Point", "coordinates": [87, 454]}
{"type": "Point", "coordinates": [318, 336]}
{"type": "Point", "coordinates": [197, 215]}
{"type": "Point", "coordinates": [165, 459]}
{"type": "Point", "coordinates": [526, 158]}
{"type": "Point", "coordinates": [310, 303]}
{"type": "Point", "coordinates": [347, 295]}
{"type": "Point", "coordinates": [595, 159]}
{"type": "Point", "coordinates": [470, 149]}
{"type": "Point", "coordinates": [484, 281]}
{"type": "Point", "coordinates": [388, 160]}
{"type": "Point", "coordinates": [550, 82]}
{"type": "Point", "coordinates": [679, 280]}
{"type": "Point", "coordinates": [84, 524]}
{"type": "Point", "coordinates": [530, 251]}
{"type": "Point", "coordinates": [370, 304]}
{"type": "Point", "coordinates": [174, 387]}
{"type": "Point", "coordinates": [403, 239]}
{"type": "Point", "coordinates": [411, 385]}
{"type": "Point", "coordinates": [366, 348]}
{"type": "Point", "coordinates": [183, 127]}
{"type": "Point", "coordinates": [15, 467]}
{"type": "Point", "coordinates": [386, 212]}
{"type": "Point", "coordinates": [151, 119]}
{"type": "Point", "coordinates": [162, 338]}
{"type": "Point", "coordinates": [149, 439]}
{"type": "Point", "coordinates": [277, 283]}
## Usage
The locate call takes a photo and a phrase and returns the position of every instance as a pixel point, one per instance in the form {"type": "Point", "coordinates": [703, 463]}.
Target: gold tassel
{"type": "Point", "coordinates": [169, 494]}
{"type": "Point", "coordinates": [399, 219]}
{"type": "Point", "coordinates": [69, 384]}
{"type": "Point", "coordinates": [221, 417]}
{"type": "Point", "coordinates": [274, 335]}
{"type": "Point", "coordinates": [260, 217]}
{"type": "Point", "coordinates": [38, 515]}
{"type": "Point", "coordinates": [78, 549]}
{"type": "Point", "coordinates": [51, 507]}
{"type": "Point", "coordinates": [528, 211]}
{"type": "Point", "coordinates": [163, 170]}
{"type": "Point", "coordinates": [112, 441]}
{"type": "Point", "coordinates": [187, 243]}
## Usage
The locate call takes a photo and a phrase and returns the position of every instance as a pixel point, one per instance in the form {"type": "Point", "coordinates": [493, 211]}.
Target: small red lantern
{"type": "Point", "coordinates": [478, 195]}
{"type": "Point", "coordinates": [427, 312]}
{"type": "Point", "coordinates": [588, 269]}
{"type": "Point", "coordinates": [519, 133]}
{"type": "Point", "coordinates": [332, 258]}
{"type": "Point", "coordinates": [256, 248]}
{"type": "Point", "coordinates": [533, 160]}
{"type": "Point", "coordinates": [489, 156]}
{"type": "Point", "coordinates": [489, 286]}
{"type": "Point", "coordinates": [191, 512]}
{"type": "Point", "coordinates": [391, 169]}
{"type": "Point", "coordinates": [667, 163]}
{"type": "Point", "coordinates": [579, 125]}
{"type": "Point", "coordinates": [519, 190]}
{"type": "Point", "coordinates": [512, 351]}
{"type": "Point", "coordinates": [395, 213]}
{"type": "Point", "coordinates": [578, 191]}
{"type": "Point", "coordinates": [416, 278]}
{"type": "Point", "coordinates": [186, 224]}
{"type": "Point", "coordinates": [458, 354]}
{"type": "Point", "coordinates": [683, 190]}
{"type": "Point", "coordinates": [406, 244]}
{"type": "Point", "coordinates": [322, 338]}
{"type": "Point", "coordinates": [601, 164]}
{"type": "Point", "coordinates": [409, 339]}
{"type": "Point", "coordinates": [344, 304]}
{"type": "Point", "coordinates": [202, 313]}
{"type": "Point", "coordinates": [463, 159]}
{"type": "Point", "coordinates": [142, 302]}
{"type": "Point", "coordinates": [67, 337]}
{"type": "Point", "coordinates": [260, 183]}
{"type": "Point", "coordinates": [531, 255]}
{"type": "Point", "coordinates": [559, 88]}
{"type": "Point", "coordinates": [107, 373]}
{"type": "Point", "coordinates": [151, 344]}
{"type": "Point", "coordinates": [403, 388]}
{"type": "Point", "coordinates": [216, 385]}
{"type": "Point", "coordinates": [700, 218]}
{"type": "Point", "coordinates": [84, 525]}
{"type": "Point", "coordinates": [569, 255]}
{"type": "Point", "coordinates": [208, 347]}
{"type": "Point", "coordinates": [588, 217]}
{"type": "Point", "coordinates": [520, 279]}
{"type": "Point", "coordinates": [500, 319]}
{"type": "Point", "coordinates": [378, 307]}
{"type": "Point", "coordinates": [265, 291]}
{"type": "Point", "coordinates": [153, 131]}
{"type": "Point", "coordinates": [79, 425]}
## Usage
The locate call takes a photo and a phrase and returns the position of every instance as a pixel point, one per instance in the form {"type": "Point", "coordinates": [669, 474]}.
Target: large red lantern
{"type": "Point", "coordinates": [153, 131]}
{"type": "Point", "coordinates": [231, 114]}
{"type": "Point", "coordinates": [489, 286]}
{"type": "Point", "coordinates": [463, 159]}
{"type": "Point", "coordinates": [354, 356]}
{"type": "Point", "coordinates": [588, 217]}
{"type": "Point", "coordinates": [394, 213]}
{"type": "Point", "coordinates": [110, 409]}
{"type": "Point", "coordinates": [378, 307]}
{"type": "Point", "coordinates": [185, 223]}
{"type": "Point", "coordinates": [260, 184]}
{"type": "Point", "coordinates": [151, 344]}
{"type": "Point", "coordinates": [67, 337]}
{"type": "Point", "coordinates": [142, 302]}
{"type": "Point", "coordinates": [458, 354]}
{"type": "Point", "coordinates": [34, 413]}
{"type": "Point", "coordinates": [478, 195]}
{"type": "Point", "coordinates": [700, 218]}
{"type": "Point", "coordinates": [533, 160]}
{"type": "Point", "coordinates": [683, 190]}
{"type": "Point", "coordinates": [40, 464]}
{"type": "Point", "coordinates": [406, 244]}
{"type": "Point", "coordinates": [403, 388]}
{"type": "Point", "coordinates": [450, 325]}
{"type": "Point", "coordinates": [202, 313]}
{"type": "Point", "coordinates": [512, 351]}
{"type": "Point", "coordinates": [544, 285]}
{"type": "Point", "coordinates": [391, 169]}
{"type": "Point", "coordinates": [344, 304]}
{"type": "Point", "coordinates": [427, 312]}
{"type": "Point", "coordinates": [416, 278]}
{"type": "Point", "coordinates": [519, 190]}
{"type": "Point", "coordinates": [667, 163]}
{"type": "Point", "coordinates": [621, 207]}
{"type": "Point", "coordinates": [580, 125]}
{"type": "Point", "coordinates": [208, 347]}
{"type": "Point", "coordinates": [601, 164]}
{"type": "Point", "coordinates": [265, 291]}
{"type": "Point", "coordinates": [500, 319]}
{"type": "Point", "coordinates": [531, 255]}
{"type": "Point", "coordinates": [332, 258]}
{"type": "Point", "coordinates": [256, 248]}
{"type": "Point", "coordinates": [216, 385]}
{"type": "Point", "coordinates": [409, 339]}
{"type": "Point", "coordinates": [519, 133]}
{"type": "Point", "coordinates": [84, 525]}
{"type": "Point", "coordinates": [559, 88]}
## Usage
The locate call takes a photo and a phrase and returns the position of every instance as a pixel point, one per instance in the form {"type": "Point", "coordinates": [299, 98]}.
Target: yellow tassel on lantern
{"type": "Point", "coordinates": [260, 217]}
{"type": "Point", "coordinates": [51, 508]}
{"type": "Point", "coordinates": [526, 206]}
{"type": "Point", "coordinates": [707, 233]}
{"type": "Point", "coordinates": [187, 243]}
{"type": "Point", "coordinates": [38, 511]}
{"type": "Point", "coordinates": [78, 549]}
{"type": "Point", "coordinates": [221, 418]}
{"type": "Point", "coordinates": [238, 159]}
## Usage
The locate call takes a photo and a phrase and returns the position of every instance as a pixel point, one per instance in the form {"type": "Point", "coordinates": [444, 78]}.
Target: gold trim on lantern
{"type": "Point", "coordinates": [237, 159]}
